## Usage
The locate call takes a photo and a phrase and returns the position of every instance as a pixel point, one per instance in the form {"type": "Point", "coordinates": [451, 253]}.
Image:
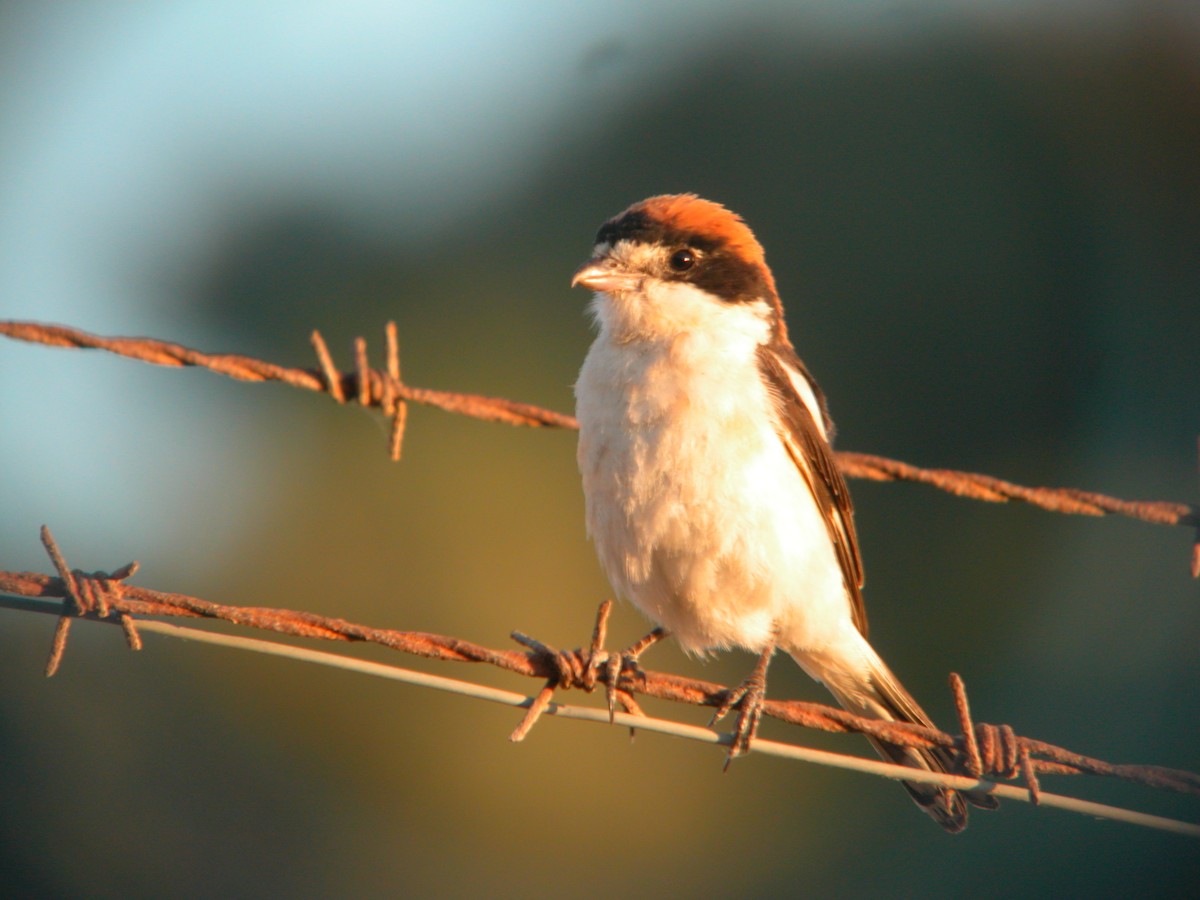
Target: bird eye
{"type": "Point", "coordinates": [682, 260]}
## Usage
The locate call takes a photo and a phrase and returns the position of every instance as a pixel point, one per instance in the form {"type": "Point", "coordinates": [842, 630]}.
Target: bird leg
{"type": "Point", "coordinates": [748, 697]}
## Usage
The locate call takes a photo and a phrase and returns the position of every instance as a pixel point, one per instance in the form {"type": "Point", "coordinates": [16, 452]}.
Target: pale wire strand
{"type": "Point", "coordinates": [646, 723]}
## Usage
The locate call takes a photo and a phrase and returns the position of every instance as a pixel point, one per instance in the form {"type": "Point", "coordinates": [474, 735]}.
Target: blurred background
{"type": "Point", "coordinates": [985, 221]}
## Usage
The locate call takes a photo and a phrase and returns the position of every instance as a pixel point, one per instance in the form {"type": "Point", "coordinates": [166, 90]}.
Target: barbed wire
{"type": "Point", "coordinates": [669, 727]}
{"type": "Point", "coordinates": [380, 389]}
{"type": "Point", "coordinates": [982, 750]}
{"type": "Point", "coordinates": [384, 389]}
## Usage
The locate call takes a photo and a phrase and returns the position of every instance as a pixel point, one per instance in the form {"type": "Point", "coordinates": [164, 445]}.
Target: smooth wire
{"type": "Point", "coordinates": [663, 726]}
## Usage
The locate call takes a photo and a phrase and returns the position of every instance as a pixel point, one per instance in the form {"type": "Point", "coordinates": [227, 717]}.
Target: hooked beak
{"type": "Point", "coordinates": [603, 275]}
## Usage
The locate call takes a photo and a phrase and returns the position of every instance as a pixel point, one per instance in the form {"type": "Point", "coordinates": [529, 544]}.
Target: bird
{"type": "Point", "coordinates": [712, 493]}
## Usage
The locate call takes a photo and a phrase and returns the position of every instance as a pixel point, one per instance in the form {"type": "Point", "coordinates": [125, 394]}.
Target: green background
{"type": "Point", "coordinates": [986, 231]}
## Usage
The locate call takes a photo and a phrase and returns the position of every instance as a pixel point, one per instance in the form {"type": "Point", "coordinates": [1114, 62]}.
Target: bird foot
{"type": "Point", "coordinates": [616, 667]}
{"type": "Point", "coordinates": [584, 668]}
{"type": "Point", "coordinates": [748, 697]}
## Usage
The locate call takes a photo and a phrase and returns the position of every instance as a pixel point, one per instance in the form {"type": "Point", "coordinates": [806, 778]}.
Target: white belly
{"type": "Point", "coordinates": [699, 516]}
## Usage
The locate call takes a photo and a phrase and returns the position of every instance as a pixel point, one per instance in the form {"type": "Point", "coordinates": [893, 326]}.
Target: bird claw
{"type": "Point", "coordinates": [583, 668]}
{"type": "Point", "coordinates": [613, 664]}
{"type": "Point", "coordinates": [749, 698]}
{"type": "Point", "coordinates": [618, 666]}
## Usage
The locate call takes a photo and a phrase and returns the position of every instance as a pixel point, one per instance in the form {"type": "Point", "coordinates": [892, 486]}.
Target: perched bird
{"type": "Point", "coordinates": [712, 493]}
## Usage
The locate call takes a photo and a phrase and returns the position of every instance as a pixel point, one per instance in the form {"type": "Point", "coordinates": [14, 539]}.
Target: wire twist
{"type": "Point", "coordinates": [86, 594]}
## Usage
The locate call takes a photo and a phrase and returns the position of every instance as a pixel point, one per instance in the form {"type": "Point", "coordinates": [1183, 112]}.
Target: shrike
{"type": "Point", "coordinates": [713, 496]}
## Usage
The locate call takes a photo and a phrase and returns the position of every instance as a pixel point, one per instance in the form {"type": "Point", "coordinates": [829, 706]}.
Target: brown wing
{"type": "Point", "coordinates": [814, 457]}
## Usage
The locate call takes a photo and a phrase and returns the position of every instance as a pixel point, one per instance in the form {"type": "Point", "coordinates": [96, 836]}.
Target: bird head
{"type": "Point", "coordinates": [677, 262]}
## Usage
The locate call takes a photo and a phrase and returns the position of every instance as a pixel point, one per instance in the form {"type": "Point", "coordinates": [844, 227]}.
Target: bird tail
{"type": "Point", "coordinates": [881, 696]}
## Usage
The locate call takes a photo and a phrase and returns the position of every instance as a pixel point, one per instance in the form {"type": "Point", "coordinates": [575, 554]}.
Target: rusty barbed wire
{"type": "Point", "coordinates": [983, 751]}
{"type": "Point", "coordinates": [995, 490]}
{"type": "Point", "coordinates": [384, 390]}
{"type": "Point", "coordinates": [381, 389]}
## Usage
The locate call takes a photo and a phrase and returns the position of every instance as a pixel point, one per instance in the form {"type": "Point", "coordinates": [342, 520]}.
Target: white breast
{"type": "Point", "coordinates": [698, 514]}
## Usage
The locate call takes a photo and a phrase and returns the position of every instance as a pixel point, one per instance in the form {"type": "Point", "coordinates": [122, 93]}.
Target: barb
{"type": "Point", "coordinates": [384, 390]}
{"type": "Point", "coordinates": [85, 594]}
{"type": "Point", "coordinates": [983, 751]}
